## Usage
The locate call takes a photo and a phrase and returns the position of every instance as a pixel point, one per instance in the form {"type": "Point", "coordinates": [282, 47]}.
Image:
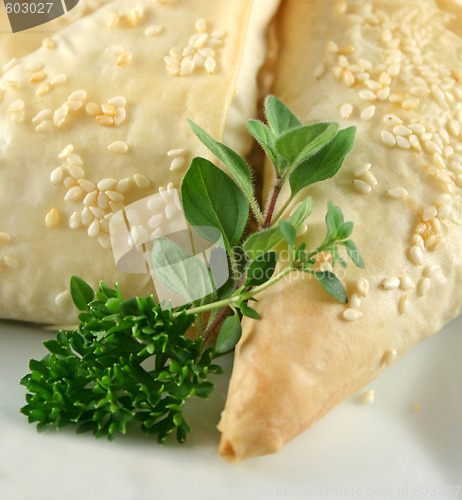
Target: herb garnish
{"type": "Point", "coordinates": [129, 360]}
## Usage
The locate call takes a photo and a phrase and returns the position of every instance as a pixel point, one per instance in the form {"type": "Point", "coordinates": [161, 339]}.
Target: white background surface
{"type": "Point", "coordinates": [384, 450]}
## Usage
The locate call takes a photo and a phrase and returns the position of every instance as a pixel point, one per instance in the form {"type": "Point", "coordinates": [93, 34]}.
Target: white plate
{"type": "Point", "coordinates": [384, 450]}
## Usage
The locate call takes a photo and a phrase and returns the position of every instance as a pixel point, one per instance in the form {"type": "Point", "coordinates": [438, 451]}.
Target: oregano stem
{"type": "Point", "coordinates": [236, 298]}
{"type": "Point", "coordinates": [216, 322]}
{"type": "Point", "coordinates": [283, 209]}
{"type": "Point", "coordinates": [271, 206]}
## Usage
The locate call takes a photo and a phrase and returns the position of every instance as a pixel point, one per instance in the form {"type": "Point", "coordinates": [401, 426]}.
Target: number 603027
{"type": "Point", "coordinates": [28, 7]}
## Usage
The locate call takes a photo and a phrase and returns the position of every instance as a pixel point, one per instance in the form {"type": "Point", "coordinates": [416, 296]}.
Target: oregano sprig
{"type": "Point", "coordinates": [130, 361]}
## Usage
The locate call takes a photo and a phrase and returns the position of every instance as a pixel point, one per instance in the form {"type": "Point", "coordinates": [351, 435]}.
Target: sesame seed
{"type": "Point", "coordinates": [415, 143]}
{"type": "Point", "coordinates": [44, 114]}
{"type": "Point", "coordinates": [389, 356]}
{"type": "Point", "coordinates": [10, 64]}
{"type": "Point", "coordinates": [417, 128]}
{"type": "Point", "coordinates": [43, 89]}
{"type": "Point", "coordinates": [416, 255]}
{"type": "Point", "coordinates": [368, 397]}
{"type": "Point", "coordinates": [402, 130]}
{"type": "Point", "coordinates": [45, 126]}
{"type": "Point", "coordinates": [4, 238]}
{"type": "Point", "coordinates": [397, 193]}
{"type": "Point", "coordinates": [200, 24]}
{"type": "Point", "coordinates": [444, 211]}
{"type": "Point", "coordinates": [448, 151]}
{"type": "Point", "coordinates": [105, 241]}
{"type": "Point", "coordinates": [201, 41]}
{"type": "Point", "coordinates": [93, 229]}
{"type": "Point", "coordinates": [73, 105]}
{"type": "Point", "coordinates": [436, 225]}
{"type": "Point", "coordinates": [118, 147]}
{"type": "Point", "coordinates": [429, 213]}
{"type": "Point", "coordinates": [340, 7]}
{"type": "Point", "coordinates": [362, 186]}
{"type": "Point", "coordinates": [370, 179]}
{"type": "Point", "coordinates": [439, 162]}
{"type": "Point", "coordinates": [454, 128]}
{"type": "Point", "coordinates": [104, 120]}
{"type": "Point", "coordinates": [115, 196]}
{"type": "Point", "coordinates": [13, 84]}
{"type": "Point", "coordinates": [93, 109]}
{"type": "Point", "coordinates": [406, 283]}
{"type": "Point", "coordinates": [187, 66]}
{"type": "Point", "coordinates": [78, 95]}
{"type": "Point", "coordinates": [91, 198]}
{"type": "Point", "coordinates": [155, 221]}
{"type": "Point", "coordinates": [346, 110]}
{"type": "Point", "coordinates": [459, 180]}
{"type": "Point", "coordinates": [361, 170]}
{"type": "Point", "coordinates": [418, 240]}
{"type": "Point", "coordinates": [37, 77]}
{"type": "Point", "coordinates": [74, 194]}
{"type": "Point", "coordinates": [444, 199]}
{"type": "Point", "coordinates": [402, 142]}
{"type": "Point", "coordinates": [390, 283]}
{"type": "Point", "coordinates": [97, 211]}
{"type": "Point", "coordinates": [444, 176]}
{"type": "Point", "coordinates": [354, 301]}
{"type": "Point", "coordinates": [76, 171]}
{"type": "Point", "coordinates": [75, 220]}
{"type": "Point", "coordinates": [392, 119]}
{"type": "Point", "coordinates": [423, 287]}
{"type": "Point", "coordinates": [431, 271]}
{"type": "Point", "coordinates": [368, 113]}
{"type": "Point", "coordinates": [337, 72]}
{"type": "Point", "coordinates": [431, 147]}
{"type": "Point", "coordinates": [351, 314]}
{"type": "Point", "coordinates": [394, 69]}
{"type": "Point", "coordinates": [113, 20]}
{"type": "Point", "coordinates": [74, 159]}
{"type": "Point", "coordinates": [69, 182]}
{"type": "Point", "coordinates": [104, 225]}
{"type": "Point", "coordinates": [62, 298]}
{"type": "Point", "coordinates": [116, 206]}
{"type": "Point", "coordinates": [410, 103]}
{"type": "Point", "coordinates": [66, 151]}
{"type": "Point", "coordinates": [10, 262]}
{"type": "Point", "coordinates": [106, 184]}
{"type": "Point", "coordinates": [362, 77]}
{"type": "Point", "coordinates": [373, 85]}
{"type": "Point", "coordinates": [48, 43]}
{"type": "Point", "coordinates": [343, 61]}
{"type": "Point", "coordinates": [103, 202]}
{"type": "Point", "coordinates": [367, 95]}
{"type": "Point", "coordinates": [52, 218]}
{"type": "Point", "coordinates": [124, 185]}
{"type": "Point", "coordinates": [388, 138]}
{"type": "Point", "coordinates": [16, 106]}
{"type": "Point", "coordinates": [319, 71]}
{"type": "Point", "coordinates": [347, 77]}
{"type": "Point", "coordinates": [177, 164]}
{"type": "Point", "coordinates": [86, 216]}
{"type": "Point", "coordinates": [383, 94]}
{"type": "Point", "coordinates": [403, 305]}
{"type": "Point", "coordinates": [142, 181]}
{"type": "Point", "coordinates": [332, 46]}
{"type": "Point", "coordinates": [397, 97]}
{"type": "Point", "coordinates": [426, 136]}
{"type": "Point", "coordinates": [384, 78]}
{"type": "Point", "coordinates": [437, 93]}
{"type": "Point", "coordinates": [419, 91]}
{"type": "Point", "coordinates": [363, 286]}
{"type": "Point", "coordinates": [210, 64]}
{"type": "Point", "coordinates": [125, 58]}
{"type": "Point", "coordinates": [120, 116]}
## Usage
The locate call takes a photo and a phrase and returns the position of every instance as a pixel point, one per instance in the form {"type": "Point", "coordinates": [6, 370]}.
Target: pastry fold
{"type": "Point", "coordinates": [108, 99]}
{"type": "Point", "coordinates": [392, 69]}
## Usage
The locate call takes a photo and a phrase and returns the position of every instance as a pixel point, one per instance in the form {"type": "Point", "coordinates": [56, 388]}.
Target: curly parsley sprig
{"type": "Point", "coordinates": [129, 360]}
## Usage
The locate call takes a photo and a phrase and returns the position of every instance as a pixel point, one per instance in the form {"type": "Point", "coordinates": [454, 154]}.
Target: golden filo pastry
{"type": "Point", "coordinates": [106, 125]}
{"type": "Point", "coordinates": [14, 46]}
{"type": "Point", "coordinates": [393, 70]}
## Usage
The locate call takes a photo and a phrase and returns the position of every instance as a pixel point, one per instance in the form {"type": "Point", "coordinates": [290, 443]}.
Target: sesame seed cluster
{"type": "Point", "coordinates": [417, 98]}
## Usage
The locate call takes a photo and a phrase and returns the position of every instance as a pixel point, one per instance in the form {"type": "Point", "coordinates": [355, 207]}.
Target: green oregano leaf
{"type": "Point", "coordinates": [211, 198]}
{"type": "Point", "coordinates": [265, 138]}
{"type": "Point", "coordinates": [236, 165]}
{"type": "Point", "coordinates": [81, 293]}
{"type": "Point", "coordinates": [249, 311]}
{"type": "Point", "coordinates": [334, 220]}
{"type": "Point", "coordinates": [353, 253]}
{"type": "Point", "coordinates": [332, 285]}
{"type": "Point", "coordinates": [279, 116]}
{"type": "Point", "coordinates": [261, 269]}
{"type": "Point", "coordinates": [288, 231]}
{"type": "Point", "coordinates": [325, 163]}
{"type": "Point", "coordinates": [302, 142]}
{"type": "Point", "coordinates": [229, 335]}
{"type": "Point", "coordinates": [180, 271]}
